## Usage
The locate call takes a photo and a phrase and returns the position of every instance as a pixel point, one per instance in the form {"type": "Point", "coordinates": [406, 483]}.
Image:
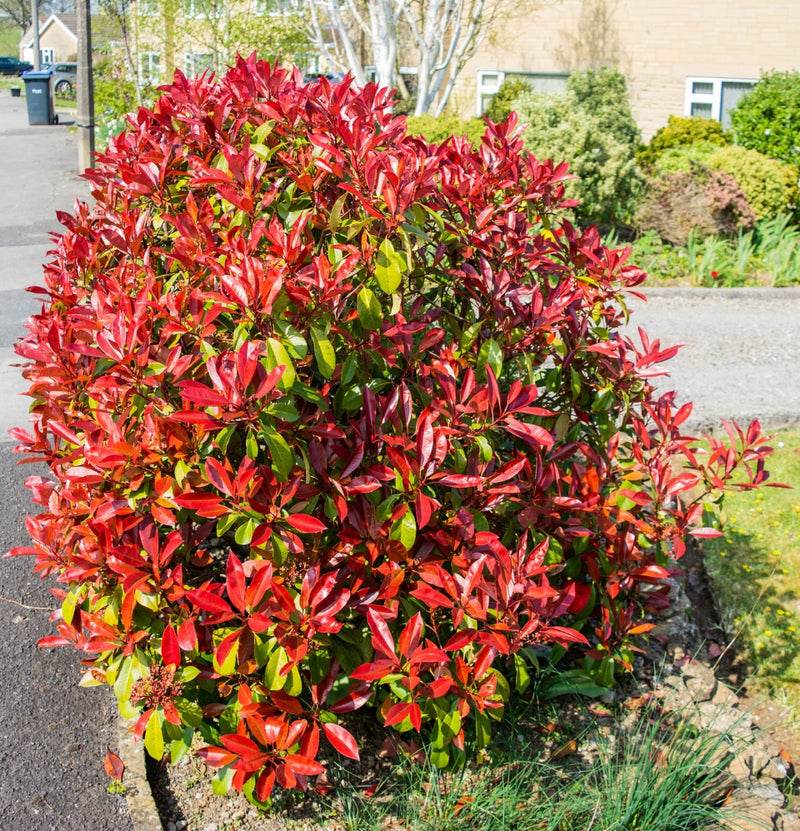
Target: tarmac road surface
{"type": "Point", "coordinates": [53, 734]}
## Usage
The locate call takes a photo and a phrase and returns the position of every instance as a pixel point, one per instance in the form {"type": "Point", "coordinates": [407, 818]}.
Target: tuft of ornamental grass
{"type": "Point", "coordinates": [659, 773]}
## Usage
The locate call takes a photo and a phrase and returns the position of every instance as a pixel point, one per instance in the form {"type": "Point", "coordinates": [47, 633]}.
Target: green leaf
{"type": "Point", "coordinates": [222, 781]}
{"type": "Point", "coordinates": [278, 356]}
{"type": "Point", "coordinates": [369, 309]}
{"type": "Point", "coordinates": [294, 342]}
{"type": "Point", "coordinates": [244, 533]}
{"type": "Point", "coordinates": [349, 368]}
{"type": "Point", "coordinates": [336, 212]}
{"type": "Point", "coordinates": [180, 747]}
{"type": "Point", "coordinates": [523, 679]}
{"type": "Point", "coordinates": [283, 458]}
{"type": "Point", "coordinates": [190, 711]}
{"type": "Point", "coordinates": [284, 410]}
{"type": "Point", "coordinates": [405, 530]}
{"type": "Point", "coordinates": [154, 738]}
{"type": "Point", "coordinates": [324, 352]}
{"type": "Point", "coordinates": [490, 354]}
{"type": "Point", "coordinates": [389, 267]}
{"type": "Point", "coordinates": [272, 674]}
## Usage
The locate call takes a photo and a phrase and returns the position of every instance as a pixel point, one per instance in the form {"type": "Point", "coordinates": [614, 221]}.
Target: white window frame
{"type": "Point", "coordinates": [714, 97]}
{"type": "Point", "coordinates": [202, 9]}
{"type": "Point", "coordinates": [148, 62]}
{"type": "Point", "coordinates": [47, 54]}
{"type": "Point", "coordinates": [191, 58]}
{"type": "Point", "coordinates": [490, 81]}
{"type": "Point", "coordinates": [147, 8]}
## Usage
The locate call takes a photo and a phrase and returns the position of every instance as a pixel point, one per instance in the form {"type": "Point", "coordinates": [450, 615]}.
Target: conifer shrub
{"type": "Point", "coordinates": [502, 102]}
{"type": "Point", "coordinates": [591, 127]}
{"type": "Point", "coordinates": [438, 129]}
{"type": "Point", "coordinates": [339, 420]}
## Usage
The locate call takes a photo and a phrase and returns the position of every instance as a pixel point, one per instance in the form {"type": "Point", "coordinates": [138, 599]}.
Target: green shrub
{"type": "Point", "coordinates": [679, 132]}
{"type": "Point", "coordinates": [437, 129]}
{"type": "Point", "coordinates": [767, 118]}
{"type": "Point", "coordinates": [700, 200]}
{"type": "Point", "coordinates": [681, 157]}
{"type": "Point", "coordinates": [591, 127]}
{"type": "Point", "coordinates": [503, 101]}
{"type": "Point", "coordinates": [769, 185]}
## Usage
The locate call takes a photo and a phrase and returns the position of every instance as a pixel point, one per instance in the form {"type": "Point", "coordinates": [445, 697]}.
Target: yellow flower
{"type": "Point", "coordinates": [767, 633]}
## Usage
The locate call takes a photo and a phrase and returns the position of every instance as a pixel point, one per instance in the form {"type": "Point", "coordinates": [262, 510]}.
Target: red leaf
{"type": "Point", "coordinates": [381, 636]}
{"type": "Point", "coordinates": [531, 433]}
{"type": "Point", "coordinates": [355, 699]}
{"type": "Point", "coordinates": [342, 740]}
{"type": "Point", "coordinates": [216, 757]}
{"type": "Point", "coordinates": [302, 764]}
{"type": "Point", "coordinates": [458, 480]}
{"type": "Point", "coordinates": [306, 524]}
{"type": "Point", "coordinates": [209, 602]}
{"type": "Point", "coordinates": [114, 765]}
{"type": "Point", "coordinates": [706, 533]}
{"type": "Point", "coordinates": [235, 581]}
{"type": "Point", "coordinates": [170, 650]}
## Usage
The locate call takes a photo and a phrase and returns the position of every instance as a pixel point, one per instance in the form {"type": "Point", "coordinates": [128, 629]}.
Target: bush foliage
{"type": "Point", "coordinates": [502, 102]}
{"type": "Point", "coordinates": [679, 132]}
{"type": "Point", "coordinates": [769, 185]}
{"type": "Point", "coordinates": [336, 418]}
{"type": "Point", "coordinates": [590, 126]}
{"type": "Point", "coordinates": [767, 118]}
{"type": "Point", "coordinates": [438, 129]}
{"type": "Point", "coordinates": [700, 200]}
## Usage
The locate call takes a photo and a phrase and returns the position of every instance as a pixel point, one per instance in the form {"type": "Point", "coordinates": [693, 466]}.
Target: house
{"type": "Point", "coordinates": [58, 39]}
{"type": "Point", "coordinates": [679, 58]}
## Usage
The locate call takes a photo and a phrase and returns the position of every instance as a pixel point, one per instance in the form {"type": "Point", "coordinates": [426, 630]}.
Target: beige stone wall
{"type": "Point", "coordinates": [657, 44]}
{"type": "Point", "coordinates": [60, 41]}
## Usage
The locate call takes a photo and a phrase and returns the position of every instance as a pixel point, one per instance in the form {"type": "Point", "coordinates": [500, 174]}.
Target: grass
{"type": "Point", "coordinates": [658, 773]}
{"type": "Point", "coordinates": [9, 39]}
{"type": "Point", "coordinates": [755, 570]}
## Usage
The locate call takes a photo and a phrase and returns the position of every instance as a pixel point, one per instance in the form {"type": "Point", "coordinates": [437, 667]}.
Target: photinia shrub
{"type": "Point", "coordinates": [339, 419]}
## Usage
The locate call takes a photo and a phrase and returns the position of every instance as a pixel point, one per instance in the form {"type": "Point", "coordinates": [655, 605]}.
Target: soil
{"type": "Point", "coordinates": [185, 800]}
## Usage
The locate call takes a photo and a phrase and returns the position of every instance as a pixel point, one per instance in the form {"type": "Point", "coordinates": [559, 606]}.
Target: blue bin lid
{"type": "Point", "coordinates": [30, 75]}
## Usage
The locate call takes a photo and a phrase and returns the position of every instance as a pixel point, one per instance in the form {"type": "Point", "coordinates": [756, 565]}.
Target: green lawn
{"type": "Point", "coordinates": [9, 40]}
{"type": "Point", "coordinates": [755, 569]}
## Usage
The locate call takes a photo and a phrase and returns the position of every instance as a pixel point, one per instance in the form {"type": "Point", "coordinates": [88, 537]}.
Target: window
{"type": "Point", "coordinates": [47, 55]}
{"type": "Point", "coordinates": [275, 8]}
{"type": "Point", "coordinates": [715, 97]}
{"type": "Point", "coordinates": [147, 8]}
{"type": "Point", "coordinates": [202, 9]}
{"type": "Point", "coordinates": [196, 63]}
{"type": "Point", "coordinates": [489, 82]}
{"type": "Point", "coordinates": [149, 68]}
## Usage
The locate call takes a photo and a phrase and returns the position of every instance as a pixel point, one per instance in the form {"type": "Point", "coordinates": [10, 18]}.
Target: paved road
{"type": "Point", "coordinates": [53, 734]}
{"type": "Point", "coordinates": [741, 359]}
{"type": "Point", "coordinates": [741, 352]}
